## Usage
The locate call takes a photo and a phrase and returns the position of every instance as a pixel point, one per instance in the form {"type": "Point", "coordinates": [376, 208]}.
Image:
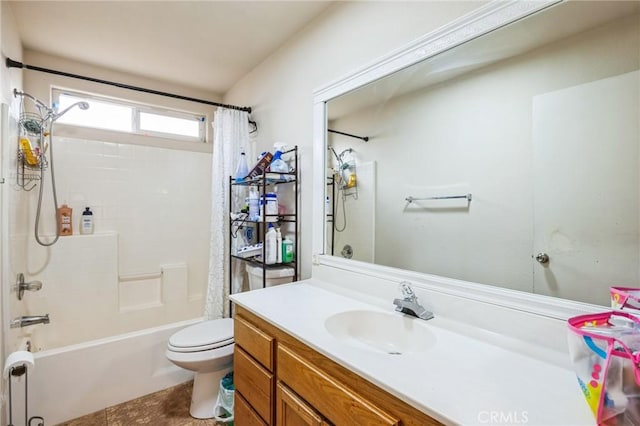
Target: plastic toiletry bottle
{"type": "Point", "coordinates": [287, 250]}
{"type": "Point", "coordinates": [278, 246]}
{"type": "Point", "coordinates": [243, 168]}
{"type": "Point", "coordinates": [278, 165]}
{"type": "Point", "coordinates": [27, 151]}
{"type": "Point", "coordinates": [270, 249]}
{"type": "Point", "coordinates": [271, 207]}
{"type": "Point", "coordinates": [86, 223]}
{"type": "Point", "coordinates": [65, 225]}
{"type": "Point", "coordinates": [254, 205]}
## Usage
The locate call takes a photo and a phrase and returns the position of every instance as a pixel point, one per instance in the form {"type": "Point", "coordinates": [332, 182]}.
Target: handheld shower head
{"type": "Point", "coordinates": [81, 105]}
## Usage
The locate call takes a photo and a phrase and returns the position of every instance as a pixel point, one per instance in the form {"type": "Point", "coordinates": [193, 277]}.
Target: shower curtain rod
{"type": "Point", "coordinates": [15, 64]}
{"type": "Point", "coordinates": [364, 138]}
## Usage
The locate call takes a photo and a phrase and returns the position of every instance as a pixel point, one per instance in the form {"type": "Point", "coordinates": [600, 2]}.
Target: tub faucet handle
{"type": "Point", "coordinates": [21, 286]}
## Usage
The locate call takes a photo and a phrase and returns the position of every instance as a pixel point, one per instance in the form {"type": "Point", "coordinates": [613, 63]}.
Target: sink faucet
{"type": "Point", "coordinates": [409, 303]}
{"type": "Point", "coordinates": [29, 320]}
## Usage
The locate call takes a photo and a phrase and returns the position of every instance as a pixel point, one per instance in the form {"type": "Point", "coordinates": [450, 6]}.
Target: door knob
{"type": "Point", "coordinates": [542, 258]}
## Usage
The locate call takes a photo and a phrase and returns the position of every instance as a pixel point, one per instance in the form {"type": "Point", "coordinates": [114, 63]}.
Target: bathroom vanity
{"type": "Point", "coordinates": [293, 362]}
{"type": "Point", "coordinates": [280, 380]}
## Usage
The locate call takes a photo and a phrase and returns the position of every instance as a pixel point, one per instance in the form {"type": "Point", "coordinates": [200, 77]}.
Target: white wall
{"type": "Point", "coordinates": [475, 134]}
{"type": "Point", "coordinates": [348, 35]}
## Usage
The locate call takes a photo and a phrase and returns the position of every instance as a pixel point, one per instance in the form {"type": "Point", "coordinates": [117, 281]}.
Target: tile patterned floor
{"type": "Point", "coordinates": [169, 407]}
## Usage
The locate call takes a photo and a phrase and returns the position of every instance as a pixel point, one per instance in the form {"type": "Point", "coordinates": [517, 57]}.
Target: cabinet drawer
{"type": "Point", "coordinates": [254, 383]}
{"type": "Point", "coordinates": [253, 340]}
{"type": "Point", "coordinates": [244, 414]}
{"type": "Point", "coordinates": [336, 402]}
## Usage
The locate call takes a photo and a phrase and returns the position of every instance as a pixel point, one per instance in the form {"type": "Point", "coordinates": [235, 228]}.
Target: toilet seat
{"type": "Point", "coordinates": [204, 336]}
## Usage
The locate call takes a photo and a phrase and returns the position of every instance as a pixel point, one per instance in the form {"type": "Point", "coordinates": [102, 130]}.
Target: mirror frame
{"type": "Point", "coordinates": [483, 20]}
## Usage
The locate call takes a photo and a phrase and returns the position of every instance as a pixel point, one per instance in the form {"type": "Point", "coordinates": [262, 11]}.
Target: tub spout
{"type": "Point", "coordinates": [29, 320]}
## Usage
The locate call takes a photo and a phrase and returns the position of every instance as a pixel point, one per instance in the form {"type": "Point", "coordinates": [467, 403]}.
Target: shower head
{"type": "Point", "coordinates": [81, 105]}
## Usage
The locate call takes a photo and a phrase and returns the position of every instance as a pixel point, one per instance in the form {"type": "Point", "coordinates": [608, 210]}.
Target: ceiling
{"type": "Point", "coordinates": [207, 45]}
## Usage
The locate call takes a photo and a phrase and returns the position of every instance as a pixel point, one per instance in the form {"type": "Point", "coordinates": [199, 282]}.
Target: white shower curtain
{"type": "Point", "coordinates": [230, 136]}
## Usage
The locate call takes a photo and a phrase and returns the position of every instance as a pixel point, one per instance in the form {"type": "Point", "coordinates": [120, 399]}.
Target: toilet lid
{"type": "Point", "coordinates": [203, 336]}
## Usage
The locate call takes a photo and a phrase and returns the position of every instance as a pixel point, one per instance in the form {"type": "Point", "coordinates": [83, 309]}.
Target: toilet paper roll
{"type": "Point", "coordinates": [17, 359]}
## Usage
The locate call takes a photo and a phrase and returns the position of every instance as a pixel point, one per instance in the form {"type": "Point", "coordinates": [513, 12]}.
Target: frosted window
{"type": "Point", "coordinates": [100, 115]}
{"type": "Point", "coordinates": [166, 124]}
{"type": "Point", "coordinates": [121, 115]}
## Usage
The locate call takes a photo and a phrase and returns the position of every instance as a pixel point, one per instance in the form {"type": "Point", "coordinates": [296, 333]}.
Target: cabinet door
{"type": "Point", "coordinates": [293, 411]}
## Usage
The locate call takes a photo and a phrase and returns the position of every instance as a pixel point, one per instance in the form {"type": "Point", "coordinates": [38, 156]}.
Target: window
{"type": "Point", "coordinates": [123, 116]}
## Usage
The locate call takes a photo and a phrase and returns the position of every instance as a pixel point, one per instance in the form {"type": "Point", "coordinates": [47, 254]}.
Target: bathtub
{"type": "Point", "coordinates": [79, 379]}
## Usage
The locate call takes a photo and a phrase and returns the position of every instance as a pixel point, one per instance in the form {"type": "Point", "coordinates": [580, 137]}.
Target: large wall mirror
{"type": "Point", "coordinates": [510, 160]}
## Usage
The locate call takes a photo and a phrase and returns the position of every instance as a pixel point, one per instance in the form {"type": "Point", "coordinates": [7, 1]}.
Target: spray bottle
{"type": "Point", "coordinates": [278, 165]}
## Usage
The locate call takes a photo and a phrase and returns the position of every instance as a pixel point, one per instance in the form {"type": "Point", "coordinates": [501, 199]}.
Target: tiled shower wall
{"type": "Point", "coordinates": [146, 264]}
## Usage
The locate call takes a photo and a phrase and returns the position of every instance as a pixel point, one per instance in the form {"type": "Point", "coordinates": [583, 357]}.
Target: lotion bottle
{"type": "Point", "coordinates": [86, 223]}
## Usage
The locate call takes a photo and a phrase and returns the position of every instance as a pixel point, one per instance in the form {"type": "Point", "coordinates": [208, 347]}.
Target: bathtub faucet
{"type": "Point", "coordinates": [409, 303]}
{"type": "Point", "coordinates": [29, 320]}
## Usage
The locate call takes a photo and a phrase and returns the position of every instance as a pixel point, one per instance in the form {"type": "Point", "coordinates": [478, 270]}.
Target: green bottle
{"type": "Point", "coordinates": [287, 250]}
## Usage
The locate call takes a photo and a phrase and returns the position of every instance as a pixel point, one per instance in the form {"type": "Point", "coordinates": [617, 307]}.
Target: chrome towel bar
{"type": "Point", "coordinates": [411, 199]}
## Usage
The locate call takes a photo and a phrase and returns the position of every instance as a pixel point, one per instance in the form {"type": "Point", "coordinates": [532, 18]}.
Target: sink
{"type": "Point", "coordinates": [390, 333]}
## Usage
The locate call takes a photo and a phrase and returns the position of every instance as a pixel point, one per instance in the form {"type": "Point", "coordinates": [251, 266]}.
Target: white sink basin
{"type": "Point", "coordinates": [390, 333]}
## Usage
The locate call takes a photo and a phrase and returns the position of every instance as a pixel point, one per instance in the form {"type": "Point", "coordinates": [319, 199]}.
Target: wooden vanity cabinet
{"type": "Point", "coordinates": [253, 373]}
{"type": "Point", "coordinates": [303, 386]}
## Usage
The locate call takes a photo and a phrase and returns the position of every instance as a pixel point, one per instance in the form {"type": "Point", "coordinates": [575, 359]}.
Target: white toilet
{"type": "Point", "coordinates": [207, 349]}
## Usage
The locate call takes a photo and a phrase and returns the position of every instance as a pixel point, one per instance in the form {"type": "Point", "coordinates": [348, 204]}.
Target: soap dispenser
{"type": "Point", "coordinates": [86, 223]}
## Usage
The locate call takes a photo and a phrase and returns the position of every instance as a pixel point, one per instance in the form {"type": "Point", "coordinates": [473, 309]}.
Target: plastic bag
{"type": "Point", "coordinates": [605, 351]}
{"type": "Point", "coordinates": [223, 410]}
{"type": "Point", "coordinates": [626, 299]}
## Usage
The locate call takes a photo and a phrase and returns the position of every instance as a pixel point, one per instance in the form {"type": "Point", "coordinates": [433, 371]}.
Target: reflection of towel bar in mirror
{"type": "Point", "coordinates": [447, 197]}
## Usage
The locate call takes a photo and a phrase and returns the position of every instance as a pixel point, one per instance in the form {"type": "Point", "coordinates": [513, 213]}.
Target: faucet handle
{"type": "Point", "coordinates": [407, 291]}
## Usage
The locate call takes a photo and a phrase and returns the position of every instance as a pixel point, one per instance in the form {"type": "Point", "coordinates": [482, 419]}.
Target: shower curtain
{"type": "Point", "coordinates": [230, 137]}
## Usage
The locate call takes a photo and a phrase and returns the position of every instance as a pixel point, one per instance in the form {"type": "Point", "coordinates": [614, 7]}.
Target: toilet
{"type": "Point", "coordinates": [206, 349]}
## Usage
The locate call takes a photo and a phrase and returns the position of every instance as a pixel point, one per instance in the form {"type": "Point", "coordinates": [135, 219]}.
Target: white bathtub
{"type": "Point", "coordinates": [75, 380]}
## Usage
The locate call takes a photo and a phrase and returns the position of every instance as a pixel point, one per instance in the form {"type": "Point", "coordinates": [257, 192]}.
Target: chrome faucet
{"type": "Point", "coordinates": [29, 320]}
{"type": "Point", "coordinates": [409, 303]}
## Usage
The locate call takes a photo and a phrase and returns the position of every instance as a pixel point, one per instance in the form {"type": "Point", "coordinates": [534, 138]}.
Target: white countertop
{"type": "Point", "coordinates": [459, 380]}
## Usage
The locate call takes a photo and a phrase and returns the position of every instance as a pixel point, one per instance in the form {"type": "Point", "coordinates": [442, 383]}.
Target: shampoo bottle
{"type": "Point", "coordinates": [270, 249]}
{"type": "Point", "coordinates": [86, 223]}
{"type": "Point", "coordinates": [65, 226]}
